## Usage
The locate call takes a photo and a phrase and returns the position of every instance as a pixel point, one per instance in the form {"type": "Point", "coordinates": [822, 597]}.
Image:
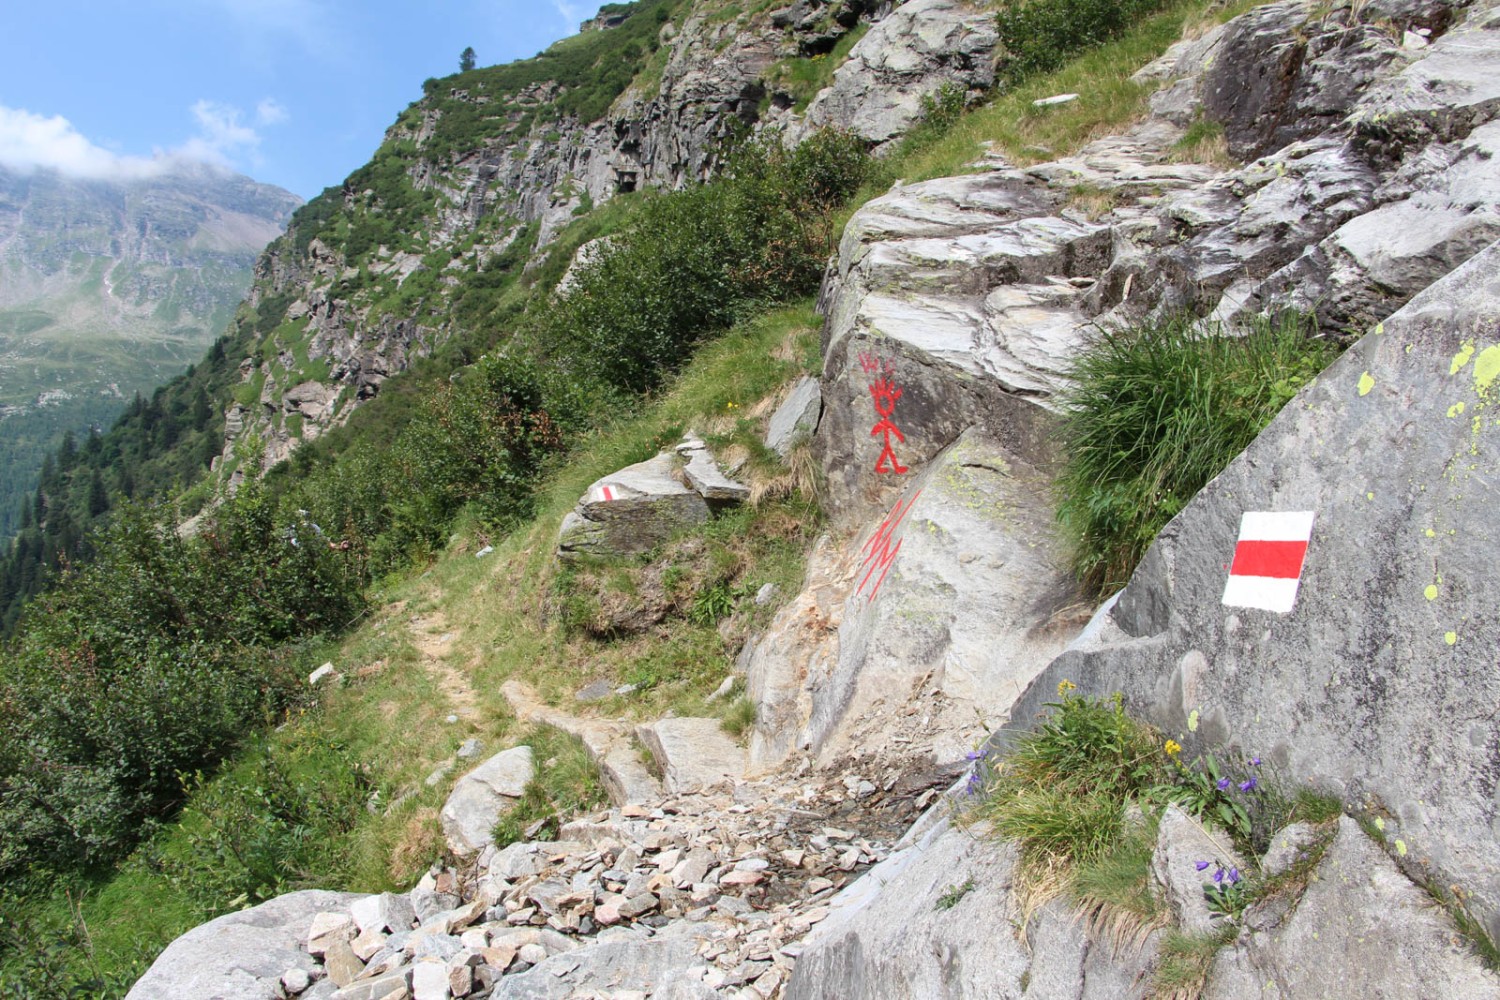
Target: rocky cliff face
{"type": "Point", "coordinates": [498, 161]}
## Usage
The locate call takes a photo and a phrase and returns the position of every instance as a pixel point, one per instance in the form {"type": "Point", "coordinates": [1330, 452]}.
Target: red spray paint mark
{"type": "Point", "coordinates": [885, 393]}
{"type": "Point", "coordinates": [878, 551]}
{"type": "Point", "coordinates": [609, 494]}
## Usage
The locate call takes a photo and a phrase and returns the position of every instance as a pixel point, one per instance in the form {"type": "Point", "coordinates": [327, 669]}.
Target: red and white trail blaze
{"type": "Point", "coordinates": [1267, 567]}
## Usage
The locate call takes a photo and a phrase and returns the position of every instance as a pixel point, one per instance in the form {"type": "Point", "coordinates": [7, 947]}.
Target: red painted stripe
{"type": "Point", "coordinates": [1275, 559]}
{"type": "Point", "coordinates": [608, 495]}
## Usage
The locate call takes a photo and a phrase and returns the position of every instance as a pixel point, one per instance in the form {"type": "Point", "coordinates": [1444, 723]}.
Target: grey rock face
{"type": "Point", "coordinates": [1283, 73]}
{"type": "Point", "coordinates": [796, 417]}
{"type": "Point", "coordinates": [964, 297]}
{"type": "Point", "coordinates": [1362, 925]}
{"type": "Point", "coordinates": [927, 612]}
{"type": "Point", "coordinates": [920, 47]}
{"type": "Point", "coordinates": [887, 939]}
{"type": "Point", "coordinates": [1376, 685]}
{"type": "Point", "coordinates": [480, 798]}
{"type": "Point", "coordinates": [239, 956]}
{"type": "Point", "coordinates": [631, 511]}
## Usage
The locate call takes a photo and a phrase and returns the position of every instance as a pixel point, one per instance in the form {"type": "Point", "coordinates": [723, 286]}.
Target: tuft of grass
{"type": "Point", "coordinates": [1115, 889]}
{"type": "Point", "coordinates": [566, 783]}
{"type": "Point", "coordinates": [1203, 142]}
{"type": "Point", "coordinates": [1061, 791]}
{"type": "Point", "coordinates": [950, 898]}
{"type": "Point", "coordinates": [1186, 960]}
{"type": "Point", "coordinates": [1155, 412]}
{"type": "Point", "coordinates": [740, 718]}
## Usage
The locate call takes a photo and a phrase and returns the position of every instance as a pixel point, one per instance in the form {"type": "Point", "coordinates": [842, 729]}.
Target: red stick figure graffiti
{"type": "Point", "coordinates": [878, 551]}
{"type": "Point", "coordinates": [885, 395]}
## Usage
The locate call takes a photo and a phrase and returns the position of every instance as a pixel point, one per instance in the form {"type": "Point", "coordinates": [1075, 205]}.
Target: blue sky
{"type": "Point", "coordinates": [292, 92]}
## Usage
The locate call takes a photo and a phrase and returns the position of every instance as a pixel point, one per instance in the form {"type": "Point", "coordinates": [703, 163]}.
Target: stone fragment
{"type": "Point", "coordinates": [294, 981]}
{"type": "Point", "coordinates": [429, 979]}
{"type": "Point", "coordinates": [342, 964]}
{"type": "Point", "coordinates": [325, 671]}
{"type": "Point", "coordinates": [326, 930]}
{"type": "Point", "coordinates": [482, 796]}
{"type": "Point", "coordinates": [705, 476]}
{"type": "Point", "coordinates": [386, 911]}
{"type": "Point", "coordinates": [796, 419]}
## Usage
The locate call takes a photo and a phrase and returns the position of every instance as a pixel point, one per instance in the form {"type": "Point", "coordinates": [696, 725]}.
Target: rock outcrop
{"type": "Point", "coordinates": [482, 796]}
{"type": "Point", "coordinates": [1393, 628]}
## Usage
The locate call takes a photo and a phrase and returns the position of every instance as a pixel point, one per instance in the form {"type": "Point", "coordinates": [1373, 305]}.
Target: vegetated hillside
{"type": "Point", "coordinates": [433, 252]}
{"type": "Point", "coordinates": [109, 288]}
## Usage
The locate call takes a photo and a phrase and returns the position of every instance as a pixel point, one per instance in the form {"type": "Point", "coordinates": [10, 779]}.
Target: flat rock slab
{"type": "Point", "coordinates": [240, 956]}
{"type": "Point", "coordinates": [694, 754]}
{"type": "Point", "coordinates": [482, 796]}
{"type": "Point", "coordinates": [705, 476]}
{"type": "Point", "coordinates": [796, 417]}
{"type": "Point", "coordinates": [664, 967]}
{"type": "Point", "coordinates": [632, 511]}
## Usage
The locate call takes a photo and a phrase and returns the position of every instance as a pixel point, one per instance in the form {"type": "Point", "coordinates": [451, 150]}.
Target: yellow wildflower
{"type": "Point", "coordinates": [1173, 748]}
{"type": "Point", "coordinates": [1064, 686]}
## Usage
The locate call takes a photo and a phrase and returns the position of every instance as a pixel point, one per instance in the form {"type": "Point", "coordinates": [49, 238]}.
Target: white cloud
{"type": "Point", "coordinates": [270, 112]}
{"type": "Point", "coordinates": [30, 141]}
{"type": "Point", "coordinates": [575, 14]}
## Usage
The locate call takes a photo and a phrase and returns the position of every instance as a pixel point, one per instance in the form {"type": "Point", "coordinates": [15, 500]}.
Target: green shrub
{"type": "Point", "coordinates": [695, 261]}
{"type": "Point", "coordinates": [271, 826]}
{"type": "Point", "coordinates": [1038, 36]}
{"type": "Point", "coordinates": [1157, 411]}
{"type": "Point", "coordinates": [152, 661]}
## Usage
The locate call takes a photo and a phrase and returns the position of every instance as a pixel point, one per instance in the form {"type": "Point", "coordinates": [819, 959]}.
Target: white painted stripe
{"type": "Point", "coordinates": [1268, 593]}
{"type": "Point", "coordinates": [1279, 526]}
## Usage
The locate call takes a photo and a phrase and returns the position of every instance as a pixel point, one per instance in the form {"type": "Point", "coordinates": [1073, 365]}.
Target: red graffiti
{"type": "Point", "coordinates": [878, 551]}
{"type": "Point", "coordinates": [885, 395]}
{"type": "Point", "coordinates": [875, 363]}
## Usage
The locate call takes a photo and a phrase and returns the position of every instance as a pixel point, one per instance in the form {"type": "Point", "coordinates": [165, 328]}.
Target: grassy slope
{"type": "Point", "coordinates": [391, 715]}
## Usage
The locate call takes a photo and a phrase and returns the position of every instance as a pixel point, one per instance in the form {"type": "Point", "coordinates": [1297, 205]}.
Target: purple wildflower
{"type": "Point", "coordinates": [1223, 784]}
{"type": "Point", "coordinates": [975, 755]}
{"type": "Point", "coordinates": [1248, 785]}
{"type": "Point", "coordinates": [1219, 874]}
{"type": "Point", "coordinates": [1201, 865]}
{"type": "Point", "coordinates": [1255, 762]}
{"type": "Point", "coordinates": [1234, 876]}
{"type": "Point", "coordinates": [973, 786]}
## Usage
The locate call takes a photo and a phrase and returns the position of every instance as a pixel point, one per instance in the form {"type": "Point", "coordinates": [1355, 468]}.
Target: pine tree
{"type": "Point", "coordinates": [466, 60]}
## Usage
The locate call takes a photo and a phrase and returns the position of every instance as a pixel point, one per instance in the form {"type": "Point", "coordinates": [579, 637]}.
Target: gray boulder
{"type": "Point", "coordinates": [796, 418]}
{"type": "Point", "coordinates": [1182, 843]}
{"type": "Point", "coordinates": [1379, 684]}
{"type": "Point", "coordinates": [953, 594]}
{"type": "Point", "coordinates": [631, 511]}
{"type": "Point", "coordinates": [482, 796]}
{"type": "Point", "coordinates": [240, 956]}
{"type": "Point", "coordinates": [664, 966]}
{"type": "Point", "coordinates": [922, 45]}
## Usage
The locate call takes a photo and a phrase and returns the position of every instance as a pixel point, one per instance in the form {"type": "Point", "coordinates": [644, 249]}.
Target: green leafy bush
{"type": "Point", "coordinates": [697, 260]}
{"type": "Point", "coordinates": [149, 662]}
{"type": "Point", "coordinates": [1038, 36]}
{"type": "Point", "coordinates": [1157, 411]}
{"type": "Point", "coordinates": [271, 826]}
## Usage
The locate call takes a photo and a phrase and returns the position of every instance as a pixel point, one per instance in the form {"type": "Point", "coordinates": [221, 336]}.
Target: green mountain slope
{"type": "Point", "coordinates": [109, 288]}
